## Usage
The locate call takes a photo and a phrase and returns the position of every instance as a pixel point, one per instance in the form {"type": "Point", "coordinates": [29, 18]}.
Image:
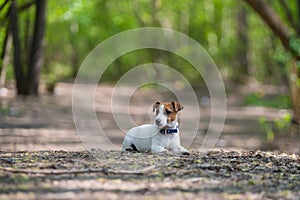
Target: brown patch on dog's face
{"type": "Point", "coordinates": [176, 106]}
{"type": "Point", "coordinates": [170, 109]}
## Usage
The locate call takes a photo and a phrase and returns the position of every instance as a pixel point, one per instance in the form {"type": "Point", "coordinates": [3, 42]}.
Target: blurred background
{"type": "Point", "coordinates": [255, 45]}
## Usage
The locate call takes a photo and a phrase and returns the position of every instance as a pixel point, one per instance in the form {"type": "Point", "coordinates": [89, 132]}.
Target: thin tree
{"type": "Point", "coordinates": [290, 41]}
{"type": "Point", "coordinates": [27, 71]}
{"type": "Point", "coordinates": [243, 48]}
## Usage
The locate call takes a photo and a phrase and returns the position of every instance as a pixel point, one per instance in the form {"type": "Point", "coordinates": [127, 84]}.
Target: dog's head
{"type": "Point", "coordinates": [166, 113]}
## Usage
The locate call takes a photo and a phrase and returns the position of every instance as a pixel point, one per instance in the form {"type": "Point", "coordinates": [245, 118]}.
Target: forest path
{"type": "Point", "coordinates": [46, 123]}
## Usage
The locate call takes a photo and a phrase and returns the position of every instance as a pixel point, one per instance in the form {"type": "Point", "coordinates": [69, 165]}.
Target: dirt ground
{"type": "Point", "coordinates": [124, 175]}
{"type": "Point", "coordinates": [42, 156]}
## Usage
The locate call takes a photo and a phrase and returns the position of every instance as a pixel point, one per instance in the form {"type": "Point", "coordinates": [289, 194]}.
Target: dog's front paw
{"type": "Point", "coordinates": [186, 153]}
{"type": "Point", "coordinates": [161, 151]}
{"type": "Point", "coordinates": [180, 150]}
{"type": "Point", "coordinates": [130, 149]}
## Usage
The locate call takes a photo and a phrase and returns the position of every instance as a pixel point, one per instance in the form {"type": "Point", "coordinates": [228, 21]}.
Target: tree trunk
{"type": "Point", "coordinates": [27, 83]}
{"type": "Point", "coordinates": [273, 21]}
{"type": "Point", "coordinates": [17, 47]}
{"type": "Point", "coordinates": [5, 56]}
{"type": "Point", "coordinates": [242, 68]}
{"type": "Point", "coordinates": [295, 90]}
{"type": "Point", "coordinates": [36, 54]}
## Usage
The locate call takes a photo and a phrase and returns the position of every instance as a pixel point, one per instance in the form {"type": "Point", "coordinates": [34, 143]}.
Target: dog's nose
{"type": "Point", "coordinates": [157, 121]}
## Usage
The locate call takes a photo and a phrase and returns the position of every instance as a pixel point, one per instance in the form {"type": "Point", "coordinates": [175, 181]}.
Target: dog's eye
{"type": "Point", "coordinates": [168, 112]}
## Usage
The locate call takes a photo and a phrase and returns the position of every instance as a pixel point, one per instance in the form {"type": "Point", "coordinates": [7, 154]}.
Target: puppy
{"type": "Point", "coordinates": [162, 136]}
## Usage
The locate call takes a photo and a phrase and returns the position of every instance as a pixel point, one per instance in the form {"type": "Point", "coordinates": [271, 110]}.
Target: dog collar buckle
{"type": "Point", "coordinates": [169, 131]}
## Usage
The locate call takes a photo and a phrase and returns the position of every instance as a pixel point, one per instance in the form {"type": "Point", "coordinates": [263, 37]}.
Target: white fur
{"type": "Point", "coordinates": [147, 137]}
{"type": "Point", "coordinates": [161, 116]}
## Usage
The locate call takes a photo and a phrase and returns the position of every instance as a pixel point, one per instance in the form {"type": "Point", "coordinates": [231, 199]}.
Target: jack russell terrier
{"type": "Point", "coordinates": [160, 137]}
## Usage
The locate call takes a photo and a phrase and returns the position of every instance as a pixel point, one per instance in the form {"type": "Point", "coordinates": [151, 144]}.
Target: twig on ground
{"type": "Point", "coordinates": [80, 171]}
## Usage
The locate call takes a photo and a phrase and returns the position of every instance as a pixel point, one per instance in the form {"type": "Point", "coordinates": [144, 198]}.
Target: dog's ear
{"type": "Point", "coordinates": [177, 106]}
{"type": "Point", "coordinates": [155, 106]}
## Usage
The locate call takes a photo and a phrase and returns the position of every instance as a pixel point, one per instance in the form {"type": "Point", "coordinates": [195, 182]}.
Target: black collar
{"type": "Point", "coordinates": [171, 131]}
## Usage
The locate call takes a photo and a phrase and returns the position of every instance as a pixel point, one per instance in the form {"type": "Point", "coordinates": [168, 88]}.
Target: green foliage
{"type": "Point", "coordinates": [278, 125]}
{"type": "Point", "coordinates": [295, 45]}
{"type": "Point", "coordinates": [4, 111]}
{"type": "Point", "coordinates": [272, 128]}
{"type": "Point", "coordinates": [280, 55]}
{"type": "Point", "coordinates": [214, 24]}
{"type": "Point", "coordinates": [278, 101]}
{"type": "Point", "coordinates": [75, 27]}
{"type": "Point", "coordinates": [58, 72]}
{"type": "Point", "coordinates": [84, 24]}
{"type": "Point", "coordinates": [267, 128]}
{"type": "Point", "coordinates": [284, 121]}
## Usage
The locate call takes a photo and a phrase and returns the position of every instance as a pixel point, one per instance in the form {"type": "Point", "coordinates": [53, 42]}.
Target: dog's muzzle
{"type": "Point", "coordinates": [158, 122]}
